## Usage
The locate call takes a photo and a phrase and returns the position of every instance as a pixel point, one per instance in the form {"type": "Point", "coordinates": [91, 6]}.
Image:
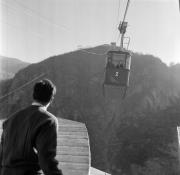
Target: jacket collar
{"type": "Point", "coordinates": [39, 105]}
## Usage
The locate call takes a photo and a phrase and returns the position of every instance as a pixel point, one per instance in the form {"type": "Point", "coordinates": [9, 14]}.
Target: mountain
{"type": "Point", "coordinates": [10, 66]}
{"type": "Point", "coordinates": [134, 135]}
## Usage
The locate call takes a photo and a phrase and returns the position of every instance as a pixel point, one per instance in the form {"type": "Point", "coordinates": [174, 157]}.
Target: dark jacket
{"type": "Point", "coordinates": [29, 141]}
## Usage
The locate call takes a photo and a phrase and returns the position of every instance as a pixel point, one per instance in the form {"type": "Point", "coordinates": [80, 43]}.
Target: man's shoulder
{"type": "Point", "coordinates": [48, 116]}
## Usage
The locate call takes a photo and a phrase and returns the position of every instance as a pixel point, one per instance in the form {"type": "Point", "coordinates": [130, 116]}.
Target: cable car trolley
{"type": "Point", "coordinates": [119, 61]}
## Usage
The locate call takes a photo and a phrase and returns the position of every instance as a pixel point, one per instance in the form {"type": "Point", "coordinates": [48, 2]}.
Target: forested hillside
{"type": "Point", "coordinates": [10, 66]}
{"type": "Point", "coordinates": [134, 136]}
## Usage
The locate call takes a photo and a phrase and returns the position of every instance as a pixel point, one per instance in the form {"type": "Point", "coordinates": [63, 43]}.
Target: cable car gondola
{"type": "Point", "coordinates": [118, 68]}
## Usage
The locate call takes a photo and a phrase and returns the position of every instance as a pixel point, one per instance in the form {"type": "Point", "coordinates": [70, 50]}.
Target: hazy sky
{"type": "Point", "coordinates": [33, 30]}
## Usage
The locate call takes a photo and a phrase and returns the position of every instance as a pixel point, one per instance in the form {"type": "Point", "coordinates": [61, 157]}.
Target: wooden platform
{"type": "Point", "coordinates": [94, 171]}
{"type": "Point", "coordinates": [73, 150]}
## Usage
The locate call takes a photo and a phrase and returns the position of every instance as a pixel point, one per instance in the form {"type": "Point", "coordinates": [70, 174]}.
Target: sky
{"type": "Point", "coordinates": [33, 30]}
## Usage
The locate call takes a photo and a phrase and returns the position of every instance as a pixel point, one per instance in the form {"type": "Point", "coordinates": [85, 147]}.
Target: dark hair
{"type": "Point", "coordinates": [44, 91]}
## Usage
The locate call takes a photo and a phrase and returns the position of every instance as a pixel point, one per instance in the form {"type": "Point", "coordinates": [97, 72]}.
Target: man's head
{"type": "Point", "coordinates": [44, 91]}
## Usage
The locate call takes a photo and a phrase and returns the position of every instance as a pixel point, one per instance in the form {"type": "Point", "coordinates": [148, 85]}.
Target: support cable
{"type": "Point", "coordinates": [126, 10]}
{"type": "Point", "coordinates": [94, 53]}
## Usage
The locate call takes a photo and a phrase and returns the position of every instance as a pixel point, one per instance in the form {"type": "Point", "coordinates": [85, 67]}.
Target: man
{"type": "Point", "coordinates": [29, 137]}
